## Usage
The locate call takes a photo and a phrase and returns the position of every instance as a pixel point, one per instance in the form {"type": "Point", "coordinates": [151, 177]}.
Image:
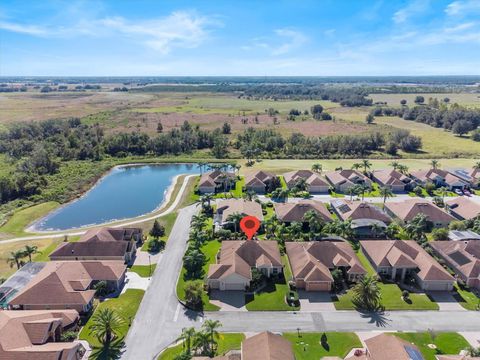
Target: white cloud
{"type": "Point", "coordinates": [413, 8]}
{"type": "Point", "coordinates": [293, 40]}
{"type": "Point", "coordinates": [23, 28]}
{"type": "Point", "coordinates": [460, 27]}
{"type": "Point", "coordinates": [464, 7]}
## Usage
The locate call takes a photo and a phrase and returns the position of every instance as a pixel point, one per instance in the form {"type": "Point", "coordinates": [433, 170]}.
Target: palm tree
{"type": "Point", "coordinates": [366, 164]}
{"type": "Point", "coordinates": [280, 194]}
{"type": "Point", "coordinates": [294, 230]}
{"type": "Point", "coordinates": [318, 168]}
{"type": "Point", "coordinates": [15, 258]}
{"type": "Point", "coordinates": [344, 229]}
{"type": "Point", "coordinates": [356, 166]}
{"type": "Point", "coordinates": [385, 192]}
{"type": "Point", "coordinates": [205, 201]}
{"type": "Point", "coordinates": [395, 165]}
{"type": "Point", "coordinates": [210, 327]}
{"type": "Point", "coordinates": [250, 195]}
{"type": "Point", "coordinates": [30, 250]}
{"type": "Point", "coordinates": [202, 342]}
{"type": "Point", "coordinates": [366, 293]}
{"type": "Point", "coordinates": [376, 230]}
{"type": "Point", "coordinates": [403, 169]}
{"type": "Point", "coordinates": [235, 220]}
{"type": "Point", "coordinates": [201, 166]}
{"type": "Point", "coordinates": [313, 219]}
{"type": "Point", "coordinates": [443, 190]}
{"type": "Point", "coordinates": [434, 164]}
{"type": "Point", "coordinates": [477, 165]}
{"type": "Point", "coordinates": [270, 225]}
{"type": "Point", "coordinates": [193, 262]}
{"type": "Point", "coordinates": [106, 324]}
{"type": "Point", "coordinates": [187, 336]}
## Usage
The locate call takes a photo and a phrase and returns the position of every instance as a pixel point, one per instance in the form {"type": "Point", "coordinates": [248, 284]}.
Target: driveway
{"type": "Point", "coordinates": [228, 300]}
{"type": "Point", "coordinates": [312, 301]}
{"type": "Point", "coordinates": [446, 301]}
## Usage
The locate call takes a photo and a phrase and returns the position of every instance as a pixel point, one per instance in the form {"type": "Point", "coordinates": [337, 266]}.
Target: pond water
{"type": "Point", "coordinates": [125, 192]}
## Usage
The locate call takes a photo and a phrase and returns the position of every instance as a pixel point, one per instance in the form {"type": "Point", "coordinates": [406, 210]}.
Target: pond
{"type": "Point", "coordinates": [125, 192]}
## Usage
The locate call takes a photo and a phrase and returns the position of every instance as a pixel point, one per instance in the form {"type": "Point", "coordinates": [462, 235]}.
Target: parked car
{"type": "Point", "coordinates": [466, 192]}
{"type": "Point", "coordinates": [458, 192]}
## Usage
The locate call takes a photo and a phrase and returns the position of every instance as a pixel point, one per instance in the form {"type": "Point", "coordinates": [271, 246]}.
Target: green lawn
{"type": "Point", "coordinates": [126, 305]}
{"type": "Point", "coordinates": [238, 191]}
{"type": "Point", "coordinates": [308, 346]}
{"type": "Point", "coordinates": [447, 343]}
{"type": "Point", "coordinates": [226, 342]}
{"type": "Point", "coordinates": [210, 249]}
{"type": "Point", "coordinates": [167, 221]}
{"type": "Point", "coordinates": [467, 299]}
{"type": "Point", "coordinates": [143, 270]}
{"type": "Point", "coordinates": [22, 218]}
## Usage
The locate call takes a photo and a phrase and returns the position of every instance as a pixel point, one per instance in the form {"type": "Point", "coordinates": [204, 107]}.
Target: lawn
{"type": "Point", "coordinates": [22, 218]}
{"type": "Point", "coordinates": [238, 191]}
{"type": "Point", "coordinates": [447, 343]}
{"type": "Point", "coordinates": [143, 270]}
{"type": "Point", "coordinates": [226, 342]}
{"type": "Point", "coordinates": [210, 249]}
{"type": "Point", "coordinates": [308, 346]}
{"type": "Point", "coordinates": [467, 299]}
{"type": "Point", "coordinates": [126, 305]}
{"type": "Point", "coordinates": [167, 221]}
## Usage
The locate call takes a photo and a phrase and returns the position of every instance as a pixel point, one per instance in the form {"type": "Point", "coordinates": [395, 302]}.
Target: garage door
{"type": "Point", "coordinates": [318, 286]}
{"type": "Point", "coordinates": [234, 286]}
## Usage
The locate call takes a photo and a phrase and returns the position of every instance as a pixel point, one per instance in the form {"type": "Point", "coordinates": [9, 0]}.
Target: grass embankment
{"type": "Point", "coordinates": [226, 343]}
{"type": "Point", "coordinates": [166, 221]}
{"type": "Point", "coordinates": [210, 249]}
{"type": "Point", "coordinates": [126, 305]}
{"type": "Point", "coordinates": [309, 346]}
{"type": "Point", "coordinates": [143, 270]}
{"type": "Point", "coordinates": [391, 295]}
{"type": "Point", "coordinates": [467, 299]}
{"type": "Point", "coordinates": [446, 343]}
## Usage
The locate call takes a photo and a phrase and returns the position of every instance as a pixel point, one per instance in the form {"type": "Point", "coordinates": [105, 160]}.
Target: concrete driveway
{"type": "Point", "coordinates": [446, 301]}
{"type": "Point", "coordinates": [228, 300]}
{"type": "Point", "coordinates": [312, 301]}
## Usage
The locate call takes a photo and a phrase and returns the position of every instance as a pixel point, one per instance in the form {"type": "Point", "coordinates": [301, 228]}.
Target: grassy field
{"type": "Point", "coordinates": [309, 347]}
{"type": "Point", "coordinates": [126, 305]}
{"type": "Point", "coordinates": [464, 99]}
{"type": "Point", "coordinates": [446, 343]}
{"type": "Point", "coordinates": [226, 342]}
{"type": "Point", "coordinates": [143, 270]}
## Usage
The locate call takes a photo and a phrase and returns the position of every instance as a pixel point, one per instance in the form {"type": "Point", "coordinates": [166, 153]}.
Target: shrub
{"type": "Point", "coordinates": [440, 234]}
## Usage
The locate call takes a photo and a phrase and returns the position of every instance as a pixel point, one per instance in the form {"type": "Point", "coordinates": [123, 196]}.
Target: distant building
{"type": "Point", "coordinates": [343, 180]}
{"type": "Point", "coordinates": [295, 212]}
{"type": "Point", "coordinates": [407, 210]}
{"type": "Point", "coordinates": [228, 207]}
{"type": "Point", "coordinates": [392, 179]}
{"type": "Point", "coordinates": [440, 178]}
{"type": "Point", "coordinates": [259, 181]}
{"type": "Point", "coordinates": [214, 181]}
{"type": "Point", "coordinates": [315, 183]}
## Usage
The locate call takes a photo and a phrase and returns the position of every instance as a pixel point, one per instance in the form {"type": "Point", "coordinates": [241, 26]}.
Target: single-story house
{"type": "Point", "coordinates": [463, 257]}
{"type": "Point", "coordinates": [397, 258]}
{"type": "Point", "coordinates": [463, 208]}
{"type": "Point", "coordinates": [213, 181]}
{"type": "Point", "coordinates": [236, 259]}
{"type": "Point", "coordinates": [388, 346]}
{"type": "Point", "coordinates": [471, 176]}
{"type": "Point", "coordinates": [68, 285]}
{"type": "Point", "coordinates": [228, 207]}
{"type": "Point", "coordinates": [101, 244]}
{"type": "Point", "coordinates": [367, 219]}
{"type": "Point", "coordinates": [440, 178]}
{"type": "Point", "coordinates": [36, 334]}
{"type": "Point", "coordinates": [462, 235]}
{"type": "Point", "coordinates": [406, 210]}
{"type": "Point", "coordinates": [393, 179]}
{"type": "Point", "coordinates": [316, 184]}
{"type": "Point", "coordinates": [312, 263]}
{"type": "Point", "coordinates": [260, 181]}
{"type": "Point", "coordinates": [295, 212]}
{"type": "Point", "coordinates": [342, 180]}
{"type": "Point", "coordinates": [266, 346]}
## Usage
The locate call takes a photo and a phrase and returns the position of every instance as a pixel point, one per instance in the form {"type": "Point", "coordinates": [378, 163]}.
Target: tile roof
{"type": "Point", "coordinates": [211, 178]}
{"type": "Point", "coordinates": [406, 210]}
{"type": "Point", "coordinates": [390, 347]}
{"type": "Point", "coordinates": [239, 206]}
{"type": "Point", "coordinates": [391, 177]}
{"type": "Point", "coordinates": [464, 207]}
{"type": "Point", "coordinates": [311, 178]}
{"type": "Point", "coordinates": [267, 346]}
{"type": "Point", "coordinates": [465, 255]}
{"type": "Point", "coordinates": [349, 176]}
{"type": "Point", "coordinates": [259, 177]}
{"type": "Point", "coordinates": [290, 212]}
{"type": "Point", "coordinates": [355, 210]}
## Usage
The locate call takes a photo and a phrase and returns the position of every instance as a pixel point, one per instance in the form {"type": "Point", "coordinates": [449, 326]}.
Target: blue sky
{"type": "Point", "coordinates": [265, 38]}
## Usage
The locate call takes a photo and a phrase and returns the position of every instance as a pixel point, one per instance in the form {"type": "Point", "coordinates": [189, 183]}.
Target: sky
{"type": "Point", "coordinates": [239, 37]}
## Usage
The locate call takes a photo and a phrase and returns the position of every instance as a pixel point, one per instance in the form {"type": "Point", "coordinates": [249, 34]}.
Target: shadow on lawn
{"type": "Point", "coordinates": [108, 352]}
{"type": "Point", "coordinates": [269, 287]}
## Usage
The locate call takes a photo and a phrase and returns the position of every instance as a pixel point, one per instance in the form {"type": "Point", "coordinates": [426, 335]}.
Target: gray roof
{"type": "Point", "coordinates": [457, 235]}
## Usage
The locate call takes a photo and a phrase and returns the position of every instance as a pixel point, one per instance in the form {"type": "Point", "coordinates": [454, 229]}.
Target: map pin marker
{"type": "Point", "coordinates": [249, 225]}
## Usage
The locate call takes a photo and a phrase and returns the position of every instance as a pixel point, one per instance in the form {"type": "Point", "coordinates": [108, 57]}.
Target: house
{"type": "Point", "coordinates": [260, 182]}
{"type": "Point", "coordinates": [295, 212]}
{"type": "Point", "coordinates": [35, 334]}
{"type": "Point", "coordinates": [316, 184]}
{"type": "Point", "coordinates": [398, 258]}
{"type": "Point", "coordinates": [463, 257]}
{"type": "Point", "coordinates": [101, 244]}
{"type": "Point", "coordinates": [236, 259]}
{"type": "Point", "coordinates": [471, 176]}
{"type": "Point", "coordinates": [393, 179]}
{"type": "Point", "coordinates": [465, 235]}
{"type": "Point", "coordinates": [388, 347]}
{"type": "Point", "coordinates": [313, 262]}
{"type": "Point", "coordinates": [342, 180]}
{"type": "Point", "coordinates": [68, 285]}
{"type": "Point", "coordinates": [463, 208]}
{"type": "Point", "coordinates": [407, 210]}
{"type": "Point", "coordinates": [213, 181]}
{"type": "Point", "coordinates": [367, 219]}
{"type": "Point", "coordinates": [228, 207]}
{"type": "Point", "coordinates": [440, 178]}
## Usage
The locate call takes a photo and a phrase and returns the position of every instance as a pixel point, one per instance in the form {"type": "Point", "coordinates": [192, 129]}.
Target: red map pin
{"type": "Point", "coordinates": [249, 225]}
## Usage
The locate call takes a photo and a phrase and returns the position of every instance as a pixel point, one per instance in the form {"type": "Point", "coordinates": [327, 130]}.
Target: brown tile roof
{"type": "Point", "coordinates": [240, 256]}
{"type": "Point", "coordinates": [311, 178]}
{"type": "Point", "coordinates": [355, 210]}
{"type": "Point", "coordinates": [464, 207]}
{"type": "Point", "coordinates": [312, 261]}
{"type": "Point", "coordinates": [405, 253]}
{"type": "Point", "coordinates": [24, 334]}
{"type": "Point", "coordinates": [465, 255]}
{"type": "Point", "coordinates": [432, 174]}
{"type": "Point", "coordinates": [267, 346]}
{"type": "Point", "coordinates": [259, 177]}
{"type": "Point", "coordinates": [239, 206]}
{"type": "Point", "coordinates": [390, 177]}
{"type": "Point", "coordinates": [408, 209]}
{"type": "Point", "coordinates": [67, 282]}
{"type": "Point", "coordinates": [289, 212]}
{"type": "Point", "coordinates": [211, 178]}
{"type": "Point", "coordinates": [345, 176]}
{"type": "Point", "coordinates": [390, 347]}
